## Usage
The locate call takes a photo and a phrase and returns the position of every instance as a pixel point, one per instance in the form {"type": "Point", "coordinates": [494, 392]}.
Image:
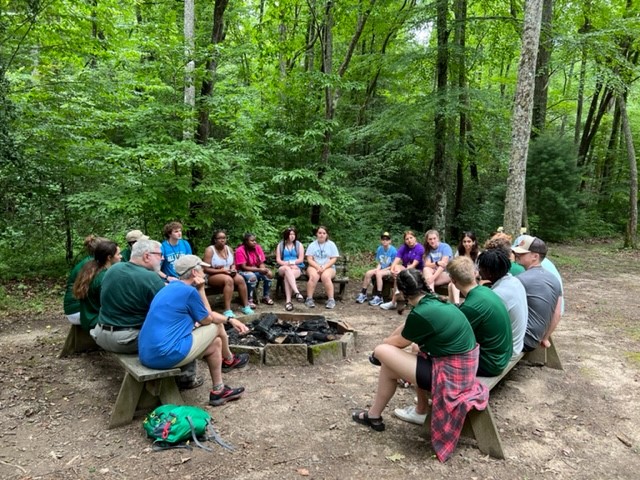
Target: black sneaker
{"type": "Point", "coordinates": [237, 362]}
{"type": "Point", "coordinates": [189, 384]}
{"type": "Point", "coordinates": [225, 395]}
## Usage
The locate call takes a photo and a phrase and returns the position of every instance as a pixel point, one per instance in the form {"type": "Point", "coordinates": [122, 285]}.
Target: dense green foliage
{"type": "Point", "coordinates": [93, 122]}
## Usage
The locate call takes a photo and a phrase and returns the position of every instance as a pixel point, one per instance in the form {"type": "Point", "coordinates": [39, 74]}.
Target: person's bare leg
{"type": "Point", "coordinates": [213, 358]}
{"type": "Point", "coordinates": [241, 287]}
{"type": "Point", "coordinates": [224, 339]}
{"type": "Point", "coordinates": [396, 363]}
{"type": "Point", "coordinates": [312, 273]}
{"type": "Point", "coordinates": [380, 275]}
{"type": "Point", "coordinates": [327, 277]}
{"type": "Point", "coordinates": [367, 278]}
{"type": "Point", "coordinates": [282, 271]}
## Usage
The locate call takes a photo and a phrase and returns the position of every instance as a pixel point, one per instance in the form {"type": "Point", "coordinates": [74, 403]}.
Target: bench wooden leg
{"type": "Point", "coordinates": [545, 356]}
{"type": "Point", "coordinates": [343, 285]}
{"type": "Point", "coordinates": [127, 401]}
{"type": "Point", "coordinates": [485, 432]}
{"type": "Point", "coordinates": [77, 341]}
{"type": "Point", "coordinates": [167, 391]}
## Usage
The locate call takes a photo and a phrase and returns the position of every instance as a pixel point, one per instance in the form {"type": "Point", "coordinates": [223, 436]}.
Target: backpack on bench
{"type": "Point", "coordinates": [174, 426]}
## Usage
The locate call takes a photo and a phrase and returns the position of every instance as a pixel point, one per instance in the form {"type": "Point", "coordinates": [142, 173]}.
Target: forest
{"type": "Point", "coordinates": [361, 115]}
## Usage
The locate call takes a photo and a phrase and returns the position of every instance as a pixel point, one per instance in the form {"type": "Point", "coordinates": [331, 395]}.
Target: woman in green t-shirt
{"type": "Point", "coordinates": [438, 328]}
{"type": "Point", "coordinates": [88, 285]}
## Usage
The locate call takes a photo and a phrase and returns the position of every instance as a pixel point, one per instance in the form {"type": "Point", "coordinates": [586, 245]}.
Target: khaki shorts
{"type": "Point", "coordinates": [202, 338]}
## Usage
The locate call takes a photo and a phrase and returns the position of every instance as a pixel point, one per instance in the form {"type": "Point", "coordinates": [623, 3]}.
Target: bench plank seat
{"type": "Point", "coordinates": [142, 387]}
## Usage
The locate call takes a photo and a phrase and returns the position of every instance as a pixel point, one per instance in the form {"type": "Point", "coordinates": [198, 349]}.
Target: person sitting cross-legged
{"type": "Point", "coordinates": [446, 366]}
{"type": "Point", "coordinates": [180, 327]}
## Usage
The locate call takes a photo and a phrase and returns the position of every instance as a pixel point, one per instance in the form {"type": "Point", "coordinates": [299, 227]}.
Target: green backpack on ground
{"type": "Point", "coordinates": [173, 426]}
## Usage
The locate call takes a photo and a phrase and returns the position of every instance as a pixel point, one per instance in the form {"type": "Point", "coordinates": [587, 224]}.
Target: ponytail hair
{"type": "Point", "coordinates": [411, 283]}
{"type": "Point", "coordinates": [103, 253]}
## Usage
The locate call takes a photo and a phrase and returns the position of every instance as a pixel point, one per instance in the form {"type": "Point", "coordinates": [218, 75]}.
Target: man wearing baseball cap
{"type": "Point", "coordinates": [132, 237]}
{"type": "Point", "coordinates": [181, 327]}
{"type": "Point", "coordinates": [544, 292]}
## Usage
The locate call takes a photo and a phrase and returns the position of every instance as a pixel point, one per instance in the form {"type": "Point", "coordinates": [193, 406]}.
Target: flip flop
{"type": "Point", "coordinates": [288, 306]}
{"type": "Point", "coordinates": [362, 417]}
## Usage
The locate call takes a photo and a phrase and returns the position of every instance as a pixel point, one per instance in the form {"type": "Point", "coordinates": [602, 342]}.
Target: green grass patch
{"type": "Point", "coordinates": [634, 357]}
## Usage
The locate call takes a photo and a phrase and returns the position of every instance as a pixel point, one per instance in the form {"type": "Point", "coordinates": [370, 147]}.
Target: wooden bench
{"type": "Point", "coordinates": [480, 424]}
{"type": "Point", "coordinates": [77, 341]}
{"type": "Point", "coordinates": [142, 388]}
{"type": "Point", "coordinates": [341, 279]}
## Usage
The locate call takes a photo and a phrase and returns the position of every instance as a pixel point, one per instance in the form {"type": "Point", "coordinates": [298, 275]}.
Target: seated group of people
{"type": "Point", "coordinates": [150, 298]}
{"type": "Point", "coordinates": [501, 315]}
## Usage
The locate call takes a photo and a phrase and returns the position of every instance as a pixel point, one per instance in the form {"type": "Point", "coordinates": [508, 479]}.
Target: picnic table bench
{"type": "Point", "coordinates": [142, 388]}
{"type": "Point", "coordinates": [77, 341]}
{"type": "Point", "coordinates": [480, 424]}
{"type": "Point", "coordinates": [341, 279]}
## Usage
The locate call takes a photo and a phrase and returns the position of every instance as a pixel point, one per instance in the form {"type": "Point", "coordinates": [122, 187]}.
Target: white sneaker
{"type": "Point", "coordinates": [408, 414]}
{"type": "Point", "coordinates": [361, 298]}
{"type": "Point", "coordinates": [389, 305]}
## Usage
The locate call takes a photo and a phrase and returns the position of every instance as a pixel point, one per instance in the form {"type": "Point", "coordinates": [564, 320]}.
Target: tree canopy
{"type": "Point", "coordinates": [362, 115]}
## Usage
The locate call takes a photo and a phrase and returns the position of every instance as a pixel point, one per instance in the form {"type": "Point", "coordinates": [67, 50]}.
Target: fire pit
{"type": "Point", "coordinates": [294, 339]}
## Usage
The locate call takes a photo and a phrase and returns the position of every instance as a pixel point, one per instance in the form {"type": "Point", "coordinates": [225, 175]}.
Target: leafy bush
{"type": "Point", "coordinates": [553, 199]}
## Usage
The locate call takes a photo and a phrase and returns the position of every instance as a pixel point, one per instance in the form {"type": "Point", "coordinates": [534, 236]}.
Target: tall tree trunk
{"type": "Point", "coordinates": [189, 52]}
{"type": "Point", "coordinates": [586, 27]}
{"type": "Point", "coordinates": [460, 12]}
{"type": "Point", "coordinates": [331, 94]}
{"type": "Point", "coordinates": [217, 37]}
{"type": "Point", "coordinates": [631, 237]}
{"type": "Point", "coordinates": [543, 71]}
{"type": "Point", "coordinates": [604, 170]}
{"type": "Point", "coordinates": [440, 119]}
{"type": "Point", "coordinates": [521, 123]}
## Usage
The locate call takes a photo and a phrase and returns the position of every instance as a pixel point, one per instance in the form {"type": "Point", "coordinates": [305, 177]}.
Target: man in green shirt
{"type": "Point", "coordinates": [127, 291]}
{"type": "Point", "coordinates": [487, 315]}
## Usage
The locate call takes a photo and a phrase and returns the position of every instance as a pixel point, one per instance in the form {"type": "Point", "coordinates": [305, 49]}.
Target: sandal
{"type": "Point", "coordinates": [251, 304]}
{"type": "Point", "coordinates": [288, 306]}
{"type": "Point", "coordinates": [267, 300]}
{"type": "Point", "coordinates": [362, 417]}
{"type": "Point", "coordinates": [299, 297]}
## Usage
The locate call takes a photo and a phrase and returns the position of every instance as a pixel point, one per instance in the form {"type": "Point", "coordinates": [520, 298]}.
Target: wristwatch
{"type": "Point", "coordinates": [228, 320]}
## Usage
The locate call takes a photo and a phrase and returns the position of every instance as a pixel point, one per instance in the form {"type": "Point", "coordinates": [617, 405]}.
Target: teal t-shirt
{"type": "Point", "coordinates": [90, 306]}
{"type": "Point", "coordinates": [125, 254]}
{"type": "Point", "coordinates": [438, 328]}
{"type": "Point", "coordinates": [70, 303]}
{"type": "Point", "coordinates": [127, 291]}
{"type": "Point", "coordinates": [492, 327]}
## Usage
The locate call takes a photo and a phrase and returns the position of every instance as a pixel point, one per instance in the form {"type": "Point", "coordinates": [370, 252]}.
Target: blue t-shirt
{"type": "Point", "coordinates": [408, 255]}
{"type": "Point", "coordinates": [171, 253]}
{"type": "Point", "coordinates": [165, 338]}
{"type": "Point", "coordinates": [385, 257]}
{"type": "Point", "coordinates": [443, 250]}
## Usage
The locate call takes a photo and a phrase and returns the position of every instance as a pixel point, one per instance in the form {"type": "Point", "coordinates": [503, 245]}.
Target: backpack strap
{"type": "Point", "coordinates": [195, 437]}
{"type": "Point", "coordinates": [213, 435]}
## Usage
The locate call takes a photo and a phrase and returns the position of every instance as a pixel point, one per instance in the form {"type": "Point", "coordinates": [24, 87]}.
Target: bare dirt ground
{"type": "Point", "coordinates": [294, 422]}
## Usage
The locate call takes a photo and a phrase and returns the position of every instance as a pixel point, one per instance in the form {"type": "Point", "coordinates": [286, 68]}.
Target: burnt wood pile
{"type": "Point", "coordinates": [268, 328]}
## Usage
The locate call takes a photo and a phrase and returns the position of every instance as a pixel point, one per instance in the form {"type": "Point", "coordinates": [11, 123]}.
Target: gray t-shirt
{"type": "Point", "coordinates": [514, 297]}
{"type": "Point", "coordinates": [543, 290]}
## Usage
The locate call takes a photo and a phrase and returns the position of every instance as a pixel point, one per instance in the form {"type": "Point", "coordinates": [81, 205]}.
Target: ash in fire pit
{"type": "Point", "coordinates": [268, 328]}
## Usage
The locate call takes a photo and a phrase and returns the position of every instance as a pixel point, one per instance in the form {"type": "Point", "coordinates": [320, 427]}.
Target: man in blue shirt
{"type": "Point", "coordinates": [180, 327]}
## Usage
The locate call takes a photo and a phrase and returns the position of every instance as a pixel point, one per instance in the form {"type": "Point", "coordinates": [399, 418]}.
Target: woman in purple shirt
{"type": "Point", "coordinates": [409, 256]}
